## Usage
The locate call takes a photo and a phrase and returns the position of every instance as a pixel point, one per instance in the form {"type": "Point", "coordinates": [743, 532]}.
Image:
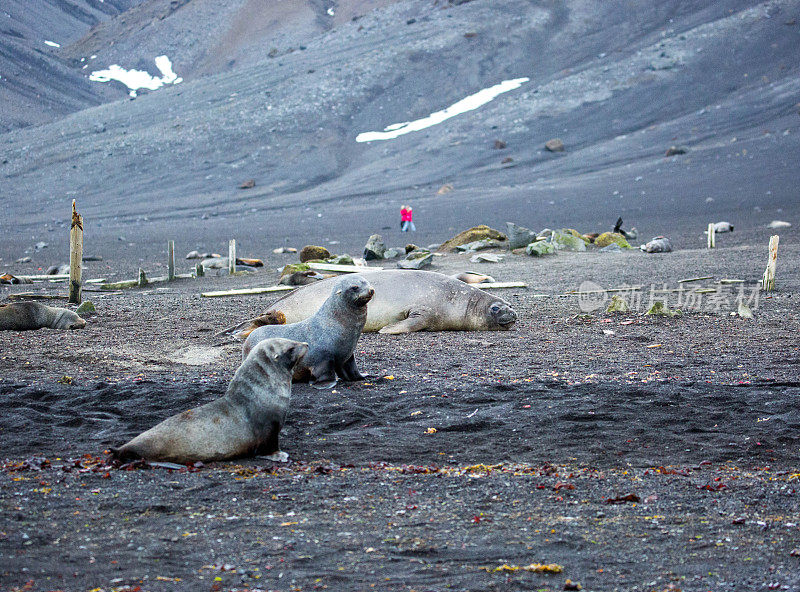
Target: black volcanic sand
{"type": "Point", "coordinates": [462, 453]}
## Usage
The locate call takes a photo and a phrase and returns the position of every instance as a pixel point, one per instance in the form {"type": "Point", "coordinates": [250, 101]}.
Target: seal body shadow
{"type": "Point", "coordinates": [245, 421]}
{"type": "Point", "coordinates": [332, 333]}
{"type": "Point", "coordinates": [27, 316]}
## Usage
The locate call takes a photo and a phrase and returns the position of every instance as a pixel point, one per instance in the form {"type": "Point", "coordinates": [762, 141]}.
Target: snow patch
{"type": "Point", "coordinates": [136, 79]}
{"type": "Point", "coordinates": [469, 103]}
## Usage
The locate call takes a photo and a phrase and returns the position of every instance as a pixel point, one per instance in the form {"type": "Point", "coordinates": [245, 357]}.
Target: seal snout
{"type": "Point", "coordinates": [78, 324]}
{"type": "Point", "coordinates": [503, 315]}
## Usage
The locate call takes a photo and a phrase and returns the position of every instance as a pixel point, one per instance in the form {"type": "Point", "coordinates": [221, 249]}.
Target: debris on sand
{"type": "Point", "coordinates": [486, 258]}
{"type": "Point", "coordinates": [249, 184]}
{"type": "Point", "coordinates": [375, 248]}
{"type": "Point", "coordinates": [675, 150]}
{"type": "Point", "coordinates": [621, 499]}
{"type": "Point", "coordinates": [618, 304]}
{"type": "Point", "coordinates": [473, 234]}
{"type": "Point", "coordinates": [555, 145]}
{"type": "Point", "coordinates": [478, 245]}
{"type": "Point", "coordinates": [659, 309]}
{"type": "Point", "coordinates": [552, 568]}
{"type": "Point", "coordinates": [779, 224]}
{"type": "Point", "coordinates": [314, 253]}
{"type": "Point", "coordinates": [608, 238]}
{"type": "Point", "coordinates": [446, 188]}
{"type": "Point", "coordinates": [659, 244]}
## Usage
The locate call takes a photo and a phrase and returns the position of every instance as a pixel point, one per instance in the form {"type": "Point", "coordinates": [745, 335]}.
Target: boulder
{"type": "Point", "coordinates": [562, 240]}
{"type": "Point", "coordinates": [416, 260]}
{"type": "Point", "coordinates": [393, 253]}
{"type": "Point", "coordinates": [618, 304]}
{"type": "Point", "coordinates": [519, 236]}
{"type": "Point", "coordinates": [294, 268]}
{"type": "Point", "coordinates": [374, 249]}
{"type": "Point", "coordinates": [310, 252]}
{"type": "Point", "coordinates": [471, 235]}
{"type": "Point", "coordinates": [608, 238]}
{"type": "Point", "coordinates": [540, 249]}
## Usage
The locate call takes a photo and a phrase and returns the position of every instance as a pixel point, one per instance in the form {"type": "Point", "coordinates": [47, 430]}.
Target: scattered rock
{"type": "Point", "coordinates": [675, 150]}
{"type": "Point", "coordinates": [519, 236]}
{"type": "Point", "coordinates": [555, 145]}
{"type": "Point", "coordinates": [473, 234]}
{"type": "Point", "coordinates": [416, 260]}
{"type": "Point", "coordinates": [374, 249]}
{"type": "Point", "coordinates": [744, 311]}
{"type": "Point", "coordinates": [86, 307]}
{"type": "Point", "coordinates": [92, 258]}
{"type": "Point", "coordinates": [393, 253]}
{"type": "Point", "coordinates": [612, 248]}
{"type": "Point", "coordinates": [23, 260]}
{"type": "Point", "coordinates": [341, 260]}
{"type": "Point", "coordinates": [249, 184]}
{"type": "Point", "coordinates": [499, 144]}
{"type": "Point", "coordinates": [659, 244]}
{"type": "Point", "coordinates": [540, 249]}
{"type": "Point", "coordinates": [40, 245]}
{"type": "Point", "coordinates": [486, 258]}
{"type": "Point", "coordinates": [311, 252]}
{"type": "Point", "coordinates": [58, 269]}
{"type": "Point", "coordinates": [564, 240]}
{"type": "Point", "coordinates": [779, 224]}
{"type": "Point", "coordinates": [507, 160]}
{"type": "Point", "coordinates": [478, 245]}
{"type": "Point", "coordinates": [281, 250]}
{"type": "Point", "coordinates": [608, 238]}
{"type": "Point", "coordinates": [618, 304]}
{"type": "Point", "coordinates": [660, 310]}
{"type": "Point", "coordinates": [294, 268]}
{"type": "Point", "coordinates": [446, 188]}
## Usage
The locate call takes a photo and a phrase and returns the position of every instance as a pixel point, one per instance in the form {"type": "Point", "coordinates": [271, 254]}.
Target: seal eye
{"type": "Point", "coordinates": [353, 288]}
{"type": "Point", "coordinates": [494, 308]}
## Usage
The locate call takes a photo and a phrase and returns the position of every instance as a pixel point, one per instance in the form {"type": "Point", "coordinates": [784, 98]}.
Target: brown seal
{"type": "Point", "coordinates": [332, 333]}
{"type": "Point", "coordinates": [26, 316]}
{"type": "Point", "coordinates": [245, 421]}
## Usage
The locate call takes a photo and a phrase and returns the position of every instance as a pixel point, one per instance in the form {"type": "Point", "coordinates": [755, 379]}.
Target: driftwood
{"type": "Point", "coordinates": [499, 285]}
{"type": "Point", "coordinates": [711, 235]}
{"type": "Point", "coordinates": [170, 262]}
{"type": "Point", "coordinates": [610, 290]}
{"type": "Point", "coordinates": [32, 296]}
{"type": "Point", "coordinates": [696, 279]}
{"type": "Point", "coordinates": [232, 256]}
{"type": "Point", "coordinates": [768, 283]}
{"type": "Point", "coordinates": [246, 291]}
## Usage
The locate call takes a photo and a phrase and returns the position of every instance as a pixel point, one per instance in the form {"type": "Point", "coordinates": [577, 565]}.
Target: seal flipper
{"type": "Point", "coordinates": [349, 370]}
{"type": "Point", "coordinates": [323, 375]}
{"type": "Point", "coordinates": [417, 320]}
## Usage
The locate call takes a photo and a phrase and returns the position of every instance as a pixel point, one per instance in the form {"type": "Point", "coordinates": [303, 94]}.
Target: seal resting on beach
{"type": "Point", "coordinates": [26, 316]}
{"type": "Point", "coordinates": [332, 332]}
{"type": "Point", "coordinates": [245, 421]}
{"type": "Point", "coordinates": [406, 301]}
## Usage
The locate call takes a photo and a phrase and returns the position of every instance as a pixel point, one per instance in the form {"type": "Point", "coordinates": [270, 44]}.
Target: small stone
{"type": "Point", "coordinates": [23, 260]}
{"type": "Point", "coordinates": [485, 258]}
{"type": "Point", "coordinates": [617, 304]}
{"type": "Point", "coordinates": [393, 253]}
{"type": "Point", "coordinates": [499, 144]}
{"type": "Point", "coordinates": [555, 145]}
{"type": "Point", "coordinates": [341, 260]}
{"type": "Point", "coordinates": [313, 252]}
{"type": "Point", "coordinates": [779, 224]}
{"type": "Point", "coordinates": [40, 245]}
{"type": "Point", "coordinates": [249, 184]}
{"type": "Point", "coordinates": [446, 188]}
{"type": "Point", "coordinates": [612, 248]}
{"type": "Point", "coordinates": [675, 150]}
{"type": "Point", "coordinates": [86, 308]}
{"type": "Point", "coordinates": [660, 310]}
{"type": "Point", "coordinates": [744, 311]}
{"type": "Point", "coordinates": [375, 248]}
{"type": "Point", "coordinates": [540, 249]}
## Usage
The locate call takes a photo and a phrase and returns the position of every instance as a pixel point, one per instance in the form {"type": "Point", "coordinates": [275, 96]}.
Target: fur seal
{"type": "Point", "coordinates": [332, 332]}
{"type": "Point", "coordinates": [246, 420]}
{"type": "Point", "coordinates": [25, 316]}
{"type": "Point", "coordinates": [406, 301]}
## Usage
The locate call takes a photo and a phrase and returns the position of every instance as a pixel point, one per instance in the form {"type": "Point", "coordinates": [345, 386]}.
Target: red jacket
{"type": "Point", "coordinates": [405, 215]}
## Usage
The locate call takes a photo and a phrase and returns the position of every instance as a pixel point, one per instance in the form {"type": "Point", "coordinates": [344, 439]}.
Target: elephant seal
{"type": "Point", "coordinates": [472, 277]}
{"type": "Point", "coordinates": [246, 420]}
{"type": "Point", "coordinates": [26, 316]}
{"type": "Point", "coordinates": [408, 300]}
{"type": "Point", "coordinates": [301, 278]}
{"type": "Point", "coordinates": [332, 332]}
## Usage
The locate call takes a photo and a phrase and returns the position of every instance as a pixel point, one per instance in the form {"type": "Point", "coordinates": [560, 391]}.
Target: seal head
{"type": "Point", "coordinates": [502, 316]}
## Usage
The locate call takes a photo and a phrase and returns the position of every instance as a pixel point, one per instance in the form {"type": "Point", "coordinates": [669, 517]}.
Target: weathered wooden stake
{"type": "Point", "coordinates": [75, 256]}
{"type": "Point", "coordinates": [768, 283]}
{"type": "Point", "coordinates": [711, 237]}
{"type": "Point", "coordinates": [142, 278]}
{"type": "Point", "coordinates": [170, 261]}
{"type": "Point", "coordinates": [199, 271]}
{"type": "Point", "coordinates": [232, 256]}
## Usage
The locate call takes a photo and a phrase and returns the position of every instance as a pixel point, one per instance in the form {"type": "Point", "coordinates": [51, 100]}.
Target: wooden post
{"type": "Point", "coordinates": [768, 283]}
{"type": "Point", "coordinates": [232, 256]}
{"type": "Point", "coordinates": [711, 238]}
{"type": "Point", "coordinates": [170, 261]}
{"type": "Point", "coordinates": [199, 271]}
{"type": "Point", "coordinates": [75, 256]}
{"type": "Point", "coordinates": [142, 278]}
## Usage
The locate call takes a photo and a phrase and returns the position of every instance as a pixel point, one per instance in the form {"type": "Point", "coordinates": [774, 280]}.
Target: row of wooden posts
{"type": "Point", "coordinates": [76, 256]}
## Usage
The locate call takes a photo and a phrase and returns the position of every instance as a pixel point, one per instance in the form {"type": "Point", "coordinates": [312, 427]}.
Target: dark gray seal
{"type": "Point", "coordinates": [332, 333]}
{"type": "Point", "coordinates": [27, 316]}
{"type": "Point", "coordinates": [245, 421]}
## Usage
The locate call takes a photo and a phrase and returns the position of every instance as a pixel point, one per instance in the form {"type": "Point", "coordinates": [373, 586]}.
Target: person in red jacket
{"type": "Point", "coordinates": [406, 219]}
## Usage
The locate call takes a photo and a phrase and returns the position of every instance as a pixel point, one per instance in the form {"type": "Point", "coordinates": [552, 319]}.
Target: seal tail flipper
{"type": "Point", "coordinates": [242, 330]}
{"type": "Point", "coordinates": [618, 225]}
{"type": "Point", "coordinates": [417, 320]}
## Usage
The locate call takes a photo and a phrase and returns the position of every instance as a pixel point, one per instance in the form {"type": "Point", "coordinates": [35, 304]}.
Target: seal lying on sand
{"type": "Point", "coordinates": [406, 301]}
{"type": "Point", "coordinates": [246, 420]}
{"type": "Point", "coordinates": [25, 316]}
{"type": "Point", "coordinates": [332, 332]}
